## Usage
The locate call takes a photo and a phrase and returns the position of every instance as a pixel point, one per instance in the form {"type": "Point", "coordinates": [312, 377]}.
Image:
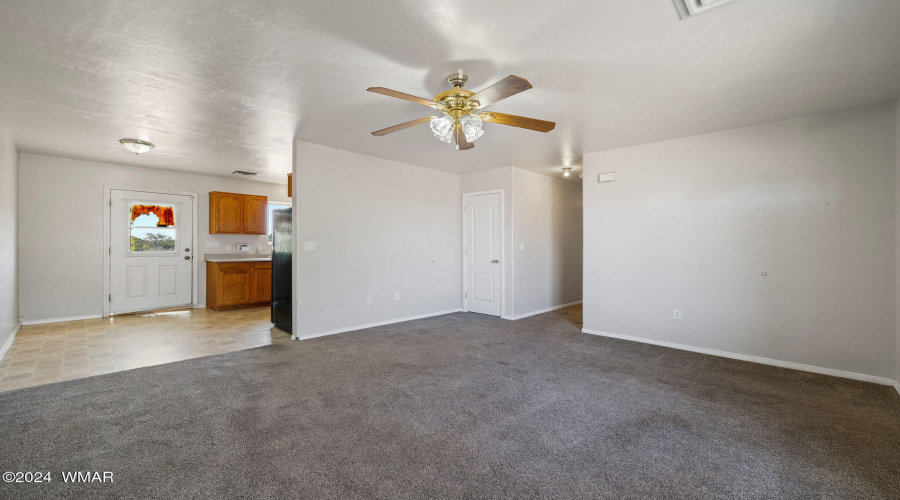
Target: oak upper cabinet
{"type": "Point", "coordinates": [234, 213]}
{"type": "Point", "coordinates": [226, 213]}
{"type": "Point", "coordinates": [255, 214]}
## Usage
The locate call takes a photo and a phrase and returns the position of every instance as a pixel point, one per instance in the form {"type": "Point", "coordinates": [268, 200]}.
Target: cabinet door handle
{"type": "Point", "coordinates": [495, 261]}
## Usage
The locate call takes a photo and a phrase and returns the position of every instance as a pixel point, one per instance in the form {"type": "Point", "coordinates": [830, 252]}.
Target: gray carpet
{"type": "Point", "coordinates": [459, 406]}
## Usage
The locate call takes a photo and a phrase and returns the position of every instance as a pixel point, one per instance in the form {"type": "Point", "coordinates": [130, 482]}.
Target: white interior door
{"type": "Point", "coordinates": [151, 251]}
{"type": "Point", "coordinates": [482, 253]}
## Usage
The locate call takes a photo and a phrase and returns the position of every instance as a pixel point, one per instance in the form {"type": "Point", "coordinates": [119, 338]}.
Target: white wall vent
{"type": "Point", "coordinates": [688, 8]}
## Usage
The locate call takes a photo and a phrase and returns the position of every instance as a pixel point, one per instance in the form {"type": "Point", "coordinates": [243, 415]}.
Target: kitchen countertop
{"type": "Point", "coordinates": [232, 257]}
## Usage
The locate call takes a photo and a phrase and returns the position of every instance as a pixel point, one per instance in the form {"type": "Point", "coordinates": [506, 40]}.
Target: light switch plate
{"type": "Point", "coordinates": [212, 244]}
{"type": "Point", "coordinates": [606, 177]}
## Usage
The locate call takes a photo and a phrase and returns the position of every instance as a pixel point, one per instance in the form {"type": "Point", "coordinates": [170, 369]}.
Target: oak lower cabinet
{"type": "Point", "coordinates": [231, 285]}
{"type": "Point", "coordinates": [261, 290]}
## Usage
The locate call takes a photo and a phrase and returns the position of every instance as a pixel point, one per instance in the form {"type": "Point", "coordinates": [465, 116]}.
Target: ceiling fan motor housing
{"type": "Point", "coordinates": [453, 102]}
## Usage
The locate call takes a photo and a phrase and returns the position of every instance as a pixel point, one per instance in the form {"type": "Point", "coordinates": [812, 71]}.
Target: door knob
{"type": "Point", "coordinates": [187, 249]}
{"type": "Point", "coordinates": [495, 261]}
{"type": "Point", "coordinates": [187, 257]}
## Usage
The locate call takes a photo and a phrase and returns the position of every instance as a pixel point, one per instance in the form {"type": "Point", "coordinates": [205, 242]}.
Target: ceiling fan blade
{"type": "Point", "coordinates": [461, 143]}
{"type": "Point", "coordinates": [401, 95]}
{"type": "Point", "coordinates": [397, 128]}
{"type": "Point", "coordinates": [507, 87]}
{"type": "Point", "coordinates": [517, 121]}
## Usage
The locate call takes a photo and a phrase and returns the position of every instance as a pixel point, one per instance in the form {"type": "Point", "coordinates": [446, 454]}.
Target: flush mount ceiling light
{"type": "Point", "coordinates": [567, 171]}
{"type": "Point", "coordinates": [688, 8]}
{"type": "Point", "coordinates": [462, 120]}
{"type": "Point", "coordinates": [136, 146]}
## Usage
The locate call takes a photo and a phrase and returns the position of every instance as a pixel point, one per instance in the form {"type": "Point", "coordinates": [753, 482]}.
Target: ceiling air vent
{"type": "Point", "coordinates": [245, 173]}
{"type": "Point", "coordinates": [688, 8]}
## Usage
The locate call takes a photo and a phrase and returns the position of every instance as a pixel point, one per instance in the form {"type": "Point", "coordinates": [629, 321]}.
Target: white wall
{"type": "Point", "coordinates": [897, 242]}
{"type": "Point", "coordinates": [547, 220]}
{"type": "Point", "coordinates": [61, 229]}
{"type": "Point", "coordinates": [380, 227]}
{"type": "Point", "coordinates": [691, 224]}
{"type": "Point", "coordinates": [488, 180]}
{"type": "Point", "coordinates": [9, 295]}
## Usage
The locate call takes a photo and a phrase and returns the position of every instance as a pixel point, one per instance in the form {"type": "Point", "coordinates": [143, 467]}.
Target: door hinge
{"type": "Point", "coordinates": [110, 250]}
{"type": "Point", "coordinates": [466, 295]}
{"type": "Point", "coordinates": [110, 202]}
{"type": "Point", "coordinates": [110, 297]}
{"type": "Point", "coordinates": [465, 209]}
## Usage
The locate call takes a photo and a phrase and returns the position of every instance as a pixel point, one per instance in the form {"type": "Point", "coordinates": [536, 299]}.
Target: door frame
{"type": "Point", "coordinates": [107, 241]}
{"type": "Point", "coordinates": [465, 266]}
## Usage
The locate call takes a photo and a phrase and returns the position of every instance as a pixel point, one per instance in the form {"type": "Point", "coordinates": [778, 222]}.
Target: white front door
{"type": "Point", "coordinates": [151, 251]}
{"type": "Point", "coordinates": [482, 253]}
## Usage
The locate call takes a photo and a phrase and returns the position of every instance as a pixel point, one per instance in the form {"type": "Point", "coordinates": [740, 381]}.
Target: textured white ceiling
{"type": "Point", "coordinates": [227, 84]}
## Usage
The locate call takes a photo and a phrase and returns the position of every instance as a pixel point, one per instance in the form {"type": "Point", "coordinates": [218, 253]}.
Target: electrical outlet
{"type": "Point", "coordinates": [227, 247]}
{"type": "Point", "coordinates": [396, 295]}
{"type": "Point", "coordinates": [676, 313]}
{"type": "Point", "coordinates": [212, 244]}
{"type": "Point", "coordinates": [309, 246]}
{"type": "Point", "coordinates": [368, 299]}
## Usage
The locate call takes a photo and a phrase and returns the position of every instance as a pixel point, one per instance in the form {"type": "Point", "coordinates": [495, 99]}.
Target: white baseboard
{"type": "Point", "coordinates": [373, 325]}
{"type": "Point", "coordinates": [897, 386]}
{"type": "Point", "coordinates": [542, 311]}
{"type": "Point", "coordinates": [752, 359]}
{"type": "Point", "coordinates": [9, 341]}
{"type": "Point", "coordinates": [60, 320]}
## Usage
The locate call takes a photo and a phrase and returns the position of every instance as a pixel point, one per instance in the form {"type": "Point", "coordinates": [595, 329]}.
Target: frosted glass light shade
{"type": "Point", "coordinates": [471, 126]}
{"type": "Point", "coordinates": [443, 128]}
{"type": "Point", "coordinates": [136, 146]}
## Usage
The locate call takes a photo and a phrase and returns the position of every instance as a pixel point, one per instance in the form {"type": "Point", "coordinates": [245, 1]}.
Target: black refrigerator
{"type": "Point", "coordinates": [282, 305]}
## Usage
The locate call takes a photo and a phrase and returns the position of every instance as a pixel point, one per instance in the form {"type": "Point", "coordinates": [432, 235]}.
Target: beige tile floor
{"type": "Point", "coordinates": [41, 354]}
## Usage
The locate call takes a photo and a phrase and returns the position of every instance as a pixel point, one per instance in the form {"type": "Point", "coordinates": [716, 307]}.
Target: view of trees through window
{"type": "Point", "coordinates": [146, 236]}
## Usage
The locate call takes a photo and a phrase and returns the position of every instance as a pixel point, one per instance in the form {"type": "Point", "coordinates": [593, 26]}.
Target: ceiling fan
{"type": "Point", "coordinates": [462, 117]}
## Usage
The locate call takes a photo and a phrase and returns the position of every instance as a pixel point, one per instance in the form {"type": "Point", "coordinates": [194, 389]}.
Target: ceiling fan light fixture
{"type": "Point", "coordinates": [136, 146]}
{"type": "Point", "coordinates": [443, 128]}
{"type": "Point", "coordinates": [462, 120]}
{"type": "Point", "coordinates": [471, 126]}
{"type": "Point", "coordinates": [567, 171]}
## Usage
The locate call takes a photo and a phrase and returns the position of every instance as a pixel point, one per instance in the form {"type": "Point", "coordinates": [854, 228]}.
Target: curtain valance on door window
{"type": "Point", "coordinates": [166, 214]}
